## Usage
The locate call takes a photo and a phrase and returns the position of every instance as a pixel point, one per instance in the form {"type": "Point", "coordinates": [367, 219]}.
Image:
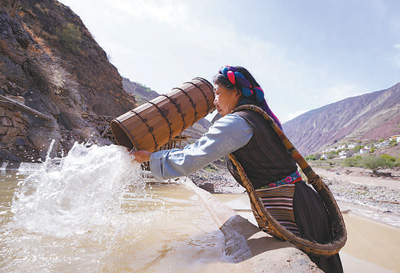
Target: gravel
{"type": "Point", "coordinates": [384, 199]}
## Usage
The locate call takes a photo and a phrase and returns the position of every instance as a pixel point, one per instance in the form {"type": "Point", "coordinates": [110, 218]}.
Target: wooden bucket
{"type": "Point", "coordinates": [151, 125]}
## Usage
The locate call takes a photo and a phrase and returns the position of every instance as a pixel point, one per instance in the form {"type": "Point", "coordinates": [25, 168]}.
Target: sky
{"type": "Point", "coordinates": [304, 54]}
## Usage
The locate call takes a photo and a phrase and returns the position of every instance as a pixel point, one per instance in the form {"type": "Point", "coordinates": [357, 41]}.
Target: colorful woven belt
{"type": "Point", "coordinates": [291, 179]}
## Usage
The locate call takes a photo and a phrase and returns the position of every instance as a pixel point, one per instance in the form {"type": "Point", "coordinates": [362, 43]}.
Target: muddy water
{"type": "Point", "coordinates": [165, 230]}
{"type": "Point", "coordinates": [371, 246]}
{"type": "Point", "coordinates": [75, 215]}
{"type": "Point", "coordinates": [372, 242]}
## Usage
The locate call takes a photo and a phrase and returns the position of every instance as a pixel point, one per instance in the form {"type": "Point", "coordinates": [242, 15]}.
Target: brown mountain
{"type": "Point", "coordinates": [49, 62]}
{"type": "Point", "coordinates": [374, 115]}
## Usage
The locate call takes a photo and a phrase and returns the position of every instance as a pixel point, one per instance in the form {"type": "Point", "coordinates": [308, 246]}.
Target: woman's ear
{"type": "Point", "coordinates": [238, 94]}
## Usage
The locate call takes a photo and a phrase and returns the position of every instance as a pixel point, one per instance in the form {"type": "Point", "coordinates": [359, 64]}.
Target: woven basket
{"type": "Point", "coordinates": [338, 228]}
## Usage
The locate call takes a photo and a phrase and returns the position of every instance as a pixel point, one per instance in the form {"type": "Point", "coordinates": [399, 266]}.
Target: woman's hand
{"type": "Point", "coordinates": [141, 156]}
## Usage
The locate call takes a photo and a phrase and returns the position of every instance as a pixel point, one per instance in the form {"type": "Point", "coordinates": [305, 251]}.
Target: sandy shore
{"type": "Point", "coordinates": [361, 176]}
{"type": "Point", "coordinates": [376, 198]}
{"type": "Point", "coordinates": [371, 210]}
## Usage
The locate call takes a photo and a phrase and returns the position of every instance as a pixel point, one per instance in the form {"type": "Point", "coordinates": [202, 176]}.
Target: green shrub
{"type": "Point", "coordinates": [393, 143]}
{"type": "Point", "coordinates": [397, 163]}
{"type": "Point", "coordinates": [352, 161]}
{"type": "Point", "coordinates": [210, 168]}
{"type": "Point", "coordinates": [374, 162]}
{"type": "Point", "coordinates": [358, 148]}
{"type": "Point", "coordinates": [371, 162]}
{"type": "Point", "coordinates": [388, 158]}
{"type": "Point", "coordinates": [311, 157]}
{"type": "Point", "coordinates": [70, 36]}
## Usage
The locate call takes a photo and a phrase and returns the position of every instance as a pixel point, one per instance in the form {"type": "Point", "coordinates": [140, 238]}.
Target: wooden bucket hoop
{"type": "Point", "coordinates": [164, 117]}
{"type": "Point", "coordinates": [205, 96]}
{"type": "Point", "coordinates": [190, 99]}
{"type": "Point", "coordinates": [149, 129]}
{"type": "Point", "coordinates": [338, 228]}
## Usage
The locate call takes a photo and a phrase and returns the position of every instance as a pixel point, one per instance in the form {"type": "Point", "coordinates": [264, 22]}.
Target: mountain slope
{"type": "Point", "coordinates": [369, 116]}
{"type": "Point", "coordinates": [141, 93]}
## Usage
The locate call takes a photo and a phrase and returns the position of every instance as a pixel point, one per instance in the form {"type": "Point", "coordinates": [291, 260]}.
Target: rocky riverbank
{"type": "Point", "coordinates": [352, 186]}
{"type": "Point", "coordinates": [373, 197]}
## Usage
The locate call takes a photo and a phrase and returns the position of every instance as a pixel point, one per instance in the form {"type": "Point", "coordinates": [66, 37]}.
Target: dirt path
{"type": "Point", "coordinates": [359, 177]}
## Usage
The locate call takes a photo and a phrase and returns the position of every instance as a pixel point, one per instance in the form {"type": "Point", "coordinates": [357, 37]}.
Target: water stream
{"type": "Point", "coordinates": [93, 211]}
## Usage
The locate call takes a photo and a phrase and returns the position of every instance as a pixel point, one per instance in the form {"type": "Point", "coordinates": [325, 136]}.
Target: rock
{"type": "Point", "coordinates": [6, 155]}
{"type": "Point", "coordinates": [54, 77]}
{"type": "Point", "coordinates": [21, 141]}
{"type": "Point", "coordinates": [3, 130]}
{"type": "Point", "coordinates": [5, 121]}
{"type": "Point", "coordinates": [17, 121]}
{"type": "Point", "coordinates": [6, 140]}
{"type": "Point", "coordinates": [12, 132]}
{"type": "Point", "coordinates": [208, 187]}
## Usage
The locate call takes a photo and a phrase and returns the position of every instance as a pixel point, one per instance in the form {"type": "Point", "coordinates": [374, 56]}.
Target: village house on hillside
{"type": "Point", "coordinates": [343, 154]}
{"type": "Point", "coordinates": [342, 151]}
{"type": "Point", "coordinates": [381, 144]}
{"type": "Point", "coordinates": [365, 150]}
{"type": "Point", "coordinates": [395, 138]}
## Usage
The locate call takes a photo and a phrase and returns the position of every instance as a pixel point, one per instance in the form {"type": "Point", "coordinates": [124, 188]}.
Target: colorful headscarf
{"type": "Point", "coordinates": [239, 80]}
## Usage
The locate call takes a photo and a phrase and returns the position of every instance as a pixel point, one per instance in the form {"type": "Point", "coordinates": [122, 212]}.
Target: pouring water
{"type": "Point", "coordinates": [93, 211]}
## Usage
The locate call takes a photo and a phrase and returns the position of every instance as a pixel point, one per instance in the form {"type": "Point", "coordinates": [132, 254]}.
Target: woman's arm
{"type": "Point", "coordinates": [227, 135]}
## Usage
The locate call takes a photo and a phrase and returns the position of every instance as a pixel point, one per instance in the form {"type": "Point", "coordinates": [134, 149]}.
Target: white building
{"type": "Point", "coordinates": [365, 150]}
{"type": "Point", "coordinates": [343, 154]}
{"type": "Point", "coordinates": [396, 138]}
{"type": "Point", "coordinates": [351, 146]}
{"type": "Point", "coordinates": [384, 143]}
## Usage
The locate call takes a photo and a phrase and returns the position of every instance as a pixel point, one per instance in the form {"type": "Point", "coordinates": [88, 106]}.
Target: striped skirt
{"type": "Point", "coordinates": [298, 208]}
{"type": "Point", "coordinates": [279, 203]}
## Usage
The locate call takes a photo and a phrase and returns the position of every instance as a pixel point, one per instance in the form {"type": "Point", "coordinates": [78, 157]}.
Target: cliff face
{"type": "Point", "coordinates": [52, 64]}
{"type": "Point", "coordinates": [370, 116]}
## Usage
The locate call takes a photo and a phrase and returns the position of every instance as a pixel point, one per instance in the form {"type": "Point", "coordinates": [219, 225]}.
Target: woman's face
{"type": "Point", "coordinates": [225, 99]}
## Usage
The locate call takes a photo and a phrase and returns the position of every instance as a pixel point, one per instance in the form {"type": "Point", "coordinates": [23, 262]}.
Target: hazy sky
{"type": "Point", "coordinates": [305, 54]}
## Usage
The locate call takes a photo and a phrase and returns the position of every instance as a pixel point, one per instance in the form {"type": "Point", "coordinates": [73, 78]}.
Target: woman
{"type": "Point", "coordinates": [267, 163]}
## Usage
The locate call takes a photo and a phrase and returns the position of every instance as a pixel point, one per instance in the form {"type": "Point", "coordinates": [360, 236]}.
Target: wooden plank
{"type": "Point", "coordinates": [11, 104]}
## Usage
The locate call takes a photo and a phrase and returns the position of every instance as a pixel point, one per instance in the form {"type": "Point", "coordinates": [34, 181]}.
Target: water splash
{"type": "Point", "coordinates": [72, 195]}
{"type": "Point", "coordinates": [92, 211]}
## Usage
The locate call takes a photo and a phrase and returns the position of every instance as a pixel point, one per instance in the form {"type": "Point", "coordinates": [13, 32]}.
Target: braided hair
{"type": "Point", "coordinates": [239, 78]}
